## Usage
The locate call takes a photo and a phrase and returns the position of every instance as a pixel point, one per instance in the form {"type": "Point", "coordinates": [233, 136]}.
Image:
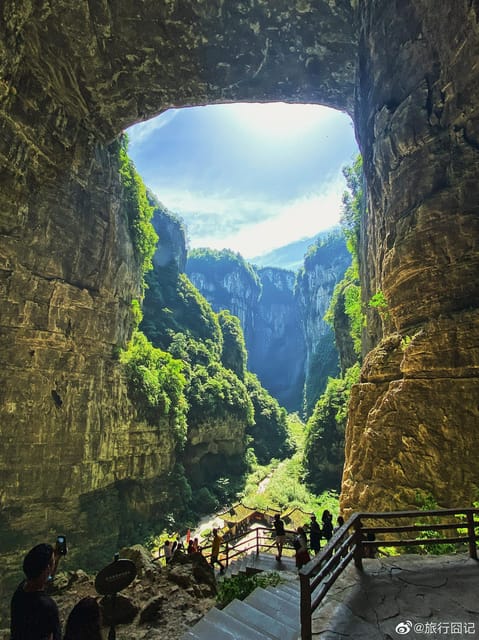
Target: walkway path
{"type": "Point", "coordinates": [410, 596]}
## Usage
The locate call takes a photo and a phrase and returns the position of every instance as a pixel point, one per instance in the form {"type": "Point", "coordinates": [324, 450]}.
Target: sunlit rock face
{"type": "Point", "coordinates": [413, 419]}
{"type": "Point", "coordinates": [74, 73]}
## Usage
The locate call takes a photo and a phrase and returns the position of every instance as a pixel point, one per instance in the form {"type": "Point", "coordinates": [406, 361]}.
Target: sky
{"type": "Point", "coordinates": [247, 177]}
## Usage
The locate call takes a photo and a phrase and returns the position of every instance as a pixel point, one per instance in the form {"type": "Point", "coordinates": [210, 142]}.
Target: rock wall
{"type": "Point", "coordinates": [74, 73]}
{"type": "Point", "coordinates": [413, 419]}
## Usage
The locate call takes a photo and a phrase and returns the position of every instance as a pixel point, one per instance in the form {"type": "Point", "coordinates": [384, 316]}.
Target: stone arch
{"type": "Point", "coordinates": [73, 74]}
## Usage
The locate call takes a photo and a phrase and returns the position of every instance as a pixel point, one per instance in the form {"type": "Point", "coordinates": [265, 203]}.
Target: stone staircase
{"type": "Point", "coordinates": [271, 613]}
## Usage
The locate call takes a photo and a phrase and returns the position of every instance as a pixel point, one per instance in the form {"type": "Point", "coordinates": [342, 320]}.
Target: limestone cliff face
{"type": "Point", "coordinates": [212, 443]}
{"type": "Point", "coordinates": [74, 73]}
{"type": "Point", "coordinates": [234, 289]}
{"type": "Point", "coordinates": [171, 247]}
{"type": "Point", "coordinates": [264, 302]}
{"type": "Point", "coordinates": [277, 349]}
{"type": "Point", "coordinates": [413, 418]}
{"type": "Point", "coordinates": [69, 432]}
{"type": "Point", "coordinates": [323, 269]}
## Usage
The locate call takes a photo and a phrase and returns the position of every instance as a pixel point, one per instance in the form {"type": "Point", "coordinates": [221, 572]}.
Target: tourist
{"type": "Point", "coordinates": [84, 621]}
{"type": "Point", "coordinates": [280, 535]}
{"type": "Point", "coordinates": [301, 546]}
{"type": "Point", "coordinates": [339, 524]}
{"type": "Point", "coordinates": [167, 551]}
{"type": "Point", "coordinates": [196, 546]}
{"type": "Point", "coordinates": [314, 535]}
{"type": "Point", "coordinates": [327, 519]}
{"type": "Point", "coordinates": [215, 551]}
{"type": "Point", "coordinates": [34, 614]}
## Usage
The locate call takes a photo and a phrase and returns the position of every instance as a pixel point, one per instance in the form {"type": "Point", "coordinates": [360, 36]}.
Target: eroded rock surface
{"type": "Point", "coordinates": [73, 74]}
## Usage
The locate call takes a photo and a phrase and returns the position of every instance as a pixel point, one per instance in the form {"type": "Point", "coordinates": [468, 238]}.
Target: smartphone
{"type": "Point", "coordinates": [62, 545]}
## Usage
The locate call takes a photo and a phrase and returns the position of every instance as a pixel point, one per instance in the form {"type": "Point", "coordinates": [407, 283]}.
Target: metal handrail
{"type": "Point", "coordinates": [350, 543]}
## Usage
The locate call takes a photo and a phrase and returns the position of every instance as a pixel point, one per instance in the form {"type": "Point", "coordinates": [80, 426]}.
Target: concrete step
{"type": "Point", "coordinates": [238, 629]}
{"type": "Point", "coordinates": [267, 562]}
{"type": "Point", "coordinates": [262, 622]}
{"type": "Point", "coordinates": [275, 607]}
{"type": "Point", "coordinates": [290, 588]}
{"type": "Point", "coordinates": [289, 597]}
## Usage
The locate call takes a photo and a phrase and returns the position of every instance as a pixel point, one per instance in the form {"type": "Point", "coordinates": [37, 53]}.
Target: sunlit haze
{"type": "Point", "coordinates": [247, 177]}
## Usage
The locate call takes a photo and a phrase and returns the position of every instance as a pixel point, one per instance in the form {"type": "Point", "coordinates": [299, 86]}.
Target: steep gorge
{"type": "Point", "coordinates": [72, 76]}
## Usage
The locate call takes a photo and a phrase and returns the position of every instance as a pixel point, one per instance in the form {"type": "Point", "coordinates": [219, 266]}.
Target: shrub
{"type": "Point", "coordinates": [242, 585]}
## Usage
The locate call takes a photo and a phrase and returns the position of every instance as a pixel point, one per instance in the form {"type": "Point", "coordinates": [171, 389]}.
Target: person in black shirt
{"type": "Point", "coordinates": [314, 535]}
{"type": "Point", "coordinates": [84, 621]}
{"type": "Point", "coordinates": [34, 614]}
{"type": "Point", "coordinates": [327, 519]}
{"type": "Point", "coordinates": [278, 525]}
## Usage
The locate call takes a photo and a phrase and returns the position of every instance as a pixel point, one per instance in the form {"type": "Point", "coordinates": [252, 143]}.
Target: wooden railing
{"type": "Point", "coordinates": [259, 539]}
{"type": "Point", "coordinates": [351, 542]}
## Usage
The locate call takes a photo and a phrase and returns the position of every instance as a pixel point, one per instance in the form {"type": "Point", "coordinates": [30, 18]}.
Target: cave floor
{"type": "Point", "coordinates": [411, 596]}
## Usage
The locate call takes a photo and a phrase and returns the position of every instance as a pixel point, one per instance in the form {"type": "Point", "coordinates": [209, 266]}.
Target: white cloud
{"type": "Point", "coordinates": [140, 132]}
{"type": "Point", "coordinates": [254, 227]}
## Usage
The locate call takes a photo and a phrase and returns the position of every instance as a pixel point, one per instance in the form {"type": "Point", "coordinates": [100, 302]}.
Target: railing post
{"type": "Point", "coordinates": [305, 608]}
{"type": "Point", "coordinates": [471, 535]}
{"type": "Point", "coordinates": [257, 542]}
{"type": "Point", "coordinates": [358, 540]}
{"type": "Point", "coordinates": [227, 550]}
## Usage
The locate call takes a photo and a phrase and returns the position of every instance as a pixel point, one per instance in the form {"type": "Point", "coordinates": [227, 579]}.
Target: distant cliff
{"type": "Point", "coordinates": [324, 266]}
{"type": "Point", "coordinates": [276, 347]}
{"type": "Point", "coordinates": [220, 406]}
{"type": "Point", "coordinates": [290, 346]}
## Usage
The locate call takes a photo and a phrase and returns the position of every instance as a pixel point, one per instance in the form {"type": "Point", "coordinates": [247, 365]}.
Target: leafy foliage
{"type": "Point", "coordinates": [206, 261]}
{"type": "Point", "coordinates": [138, 210]}
{"type": "Point", "coordinates": [155, 385]}
{"type": "Point", "coordinates": [233, 355]}
{"type": "Point", "coordinates": [216, 393]}
{"type": "Point", "coordinates": [323, 360]}
{"type": "Point", "coordinates": [353, 204]}
{"type": "Point", "coordinates": [324, 449]}
{"type": "Point", "coordinates": [323, 251]}
{"type": "Point", "coordinates": [173, 305]}
{"type": "Point", "coordinates": [242, 585]}
{"type": "Point", "coordinates": [269, 433]}
{"type": "Point", "coordinates": [427, 502]}
{"type": "Point", "coordinates": [283, 487]}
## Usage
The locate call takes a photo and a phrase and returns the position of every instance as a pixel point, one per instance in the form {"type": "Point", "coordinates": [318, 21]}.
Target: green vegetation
{"type": "Point", "coordinates": [323, 361]}
{"type": "Point", "coordinates": [206, 261]}
{"type": "Point", "coordinates": [285, 488]}
{"type": "Point", "coordinates": [379, 302]}
{"type": "Point", "coordinates": [233, 354]}
{"type": "Point", "coordinates": [173, 305]}
{"type": "Point", "coordinates": [353, 205]}
{"type": "Point", "coordinates": [427, 502]}
{"type": "Point", "coordinates": [138, 209]}
{"type": "Point", "coordinates": [217, 394]}
{"type": "Point", "coordinates": [269, 432]}
{"type": "Point", "coordinates": [242, 585]}
{"type": "Point", "coordinates": [155, 385]}
{"type": "Point", "coordinates": [324, 450]}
